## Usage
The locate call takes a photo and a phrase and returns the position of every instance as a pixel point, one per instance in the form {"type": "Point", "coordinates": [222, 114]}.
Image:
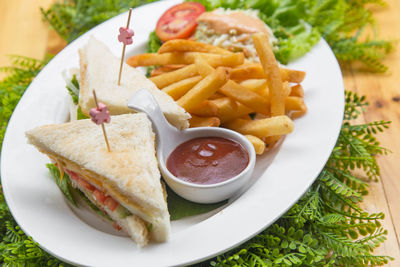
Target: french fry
{"type": "Point", "coordinates": [154, 59]}
{"type": "Point", "coordinates": [178, 89]}
{"type": "Point", "coordinates": [205, 109]}
{"type": "Point", "coordinates": [294, 103]}
{"type": "Point", "coordinates": [293, 76]}
{"type": "Point", "coordinates": [246, 117]}
{"type": "Point", "coordinates": [216, 96]}
{"type": "Point", "coordinates": [259, 145]}
{"type": "Point", "coordinates": [164, 69]}
{"type": "Point", "coordinates": [241, 111]}
{"type": "Point", "coordinates": [255, 71]}
{"type": "Point", "coordinates": [207, 87]}
{"type": "Point", "coordinates": [271, 141]}
{"type": "Point", "coordinates": [168, 78]}
{"type": "Point", "coordinates": [271, 69]}
{"type": "Point", "coordinates": [259, 86]}
{"type": "Point", "coordinates": [225, 104]}
{"type": "Point", "coordinates": [278, 125]}
{"type": "Point", "coordinates": [259, 116]}
{"type": "Point", "coordinates": [185, 58]}
{"type": "Point", "coordinates": [286, 89]}
{"type": "Point", "coordinates": [247, 71]}
{"type": "Point", "coordinates": [298, 113]}
{"type": "Point", "coordinates": [196, 121]}
{"type": "Point", "coordinates": [229, 109]}
{"type": "Point", "coordinates": [229, 60]}
{"type": "Point", "coordinates": [182, 45]}
{"type": "Point", "coordinates": [203, 68]}
{"type": "Point", "coordinates": [254, 84]}
{"type": "Point", "coordinates": [297, 90]}
{"type": "Point", "coordinates": [246, 97]}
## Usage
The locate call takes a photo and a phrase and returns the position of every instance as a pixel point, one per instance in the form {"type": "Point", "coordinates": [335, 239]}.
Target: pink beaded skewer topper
{"type": "Point", "coordinates": [125, 37]}
{"type": "Point", "coordinates": [100, 115]}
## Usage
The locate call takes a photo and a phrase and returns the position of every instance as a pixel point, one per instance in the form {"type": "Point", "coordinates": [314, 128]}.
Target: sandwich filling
{"type": "Point", "coordinates": [121, 217]}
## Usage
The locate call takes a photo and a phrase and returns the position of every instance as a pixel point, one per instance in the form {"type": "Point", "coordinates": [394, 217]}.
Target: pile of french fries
{"type": "Point", "coordinates": [220, 88]}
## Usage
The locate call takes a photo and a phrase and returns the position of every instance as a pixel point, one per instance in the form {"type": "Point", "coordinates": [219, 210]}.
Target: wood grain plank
{"type": "Point", "coordinates": [376, 200]}
{"type": "Point", "coordinates": [382, 91]}
{"type": "Point", "coordinates": [384, 95]}
{"type": "Point", "coordinates": [22, 30]}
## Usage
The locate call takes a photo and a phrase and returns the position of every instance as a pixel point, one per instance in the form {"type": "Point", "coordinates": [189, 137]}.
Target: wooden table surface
{"type": "Point", "coordinates": [23, 32]}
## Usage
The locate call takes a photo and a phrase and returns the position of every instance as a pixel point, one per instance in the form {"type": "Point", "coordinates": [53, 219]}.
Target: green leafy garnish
{"type": "Point", "coordinates": [74, 95]}
{"type": "Point", "coordinates": [179, 207]}
{"type": "Point", "coordinates": [80, 115]}
{"type": "Point", "coordinates": [72, 18]}
{"type": "Point", "coordinates": [154, 43]}
{"type": "Point", "coordinates": [75, 98]}
{"type": "Point", "coordinates": [64, 184]}
{"type": "Point", "coordinates": [66, 188]}
{"type": "Point", "coordinates": [17, 79]}
{"type": "Point", "coordinates": [299, 24]}
{"type": "Point", "coordinates": [149, 227]}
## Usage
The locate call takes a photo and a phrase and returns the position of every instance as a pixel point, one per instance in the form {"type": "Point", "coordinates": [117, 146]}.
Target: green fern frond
{"type": "Point", "coordinates": [363, 260]}
{"type": "Point", "coordinates": [342, 246]}
{"type": "Point", "coordinates": [331, 181]}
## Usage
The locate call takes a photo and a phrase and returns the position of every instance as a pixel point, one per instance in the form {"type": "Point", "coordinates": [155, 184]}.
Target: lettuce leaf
{"type": "Point", "coordinates": [64, 184]}
{"type": "Point", "coordinates": [75, 97]}
{"type": "Point", "coordinates": [179, 207]}
{"type": "Point", "coordinates": [153, 44]}
{"type": "Point", "coordinates": [69, 192]}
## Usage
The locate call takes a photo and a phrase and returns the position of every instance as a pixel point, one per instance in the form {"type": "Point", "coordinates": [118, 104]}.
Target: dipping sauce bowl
{"type": "Point", "coordinates": [168, 138]}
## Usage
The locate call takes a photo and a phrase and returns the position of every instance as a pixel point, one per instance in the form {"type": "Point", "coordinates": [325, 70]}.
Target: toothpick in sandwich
{"type": "Point", "coordinates": [100, 115]}
{"type": "Point", "coordinates": [125, 37]}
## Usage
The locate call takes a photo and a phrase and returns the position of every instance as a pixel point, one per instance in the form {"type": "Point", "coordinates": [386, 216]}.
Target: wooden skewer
{"type": "Point", "coordinates": [102, 125]}
{"type": "Point", "coordinates": [123, 49]}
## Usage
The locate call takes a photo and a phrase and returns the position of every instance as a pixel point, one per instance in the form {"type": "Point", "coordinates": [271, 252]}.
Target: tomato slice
{"type": "Point", "coordinates": [86, 185]}
{"type": "Point", "coordinates": [81, 182]}
{"type": "Point", "coordinates": [116, 226]}
{"type": "Point", "coordinates": [100, 196]}
{"type": "Point", "coordinates": [179, 21]}
{"type": "Point", "coordinates": [111, 203]}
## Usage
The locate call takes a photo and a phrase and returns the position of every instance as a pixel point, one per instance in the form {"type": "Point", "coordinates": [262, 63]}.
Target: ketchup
{"type": "Point", "coordinates": [208, 160]}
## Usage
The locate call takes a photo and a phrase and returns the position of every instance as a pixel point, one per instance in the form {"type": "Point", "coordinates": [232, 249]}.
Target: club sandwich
{"type": "Point", "coordinates": [124, 183]}
{"type": "Point", "coordinates": [99, 70]}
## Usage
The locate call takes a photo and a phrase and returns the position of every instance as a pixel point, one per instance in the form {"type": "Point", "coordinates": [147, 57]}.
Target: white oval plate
{"type": "Point", "coordinates": [280, 178]}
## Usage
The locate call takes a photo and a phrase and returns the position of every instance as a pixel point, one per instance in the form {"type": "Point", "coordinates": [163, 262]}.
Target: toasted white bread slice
{"type": "Point", "coordinates": [99, 70]}
{"type": "Point", "coordinates": [129, 173]}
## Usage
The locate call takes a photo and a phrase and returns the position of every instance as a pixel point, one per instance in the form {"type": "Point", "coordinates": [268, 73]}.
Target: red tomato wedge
{"type": "Point", "coordinates": [179, 21]}
{"type": "Point", "coordinates": [81, 182]}
{"type": "Point", "coordinates": [116, 226]}
{"type": "Point", "coordinates": [111, 203]}
{"type": "Point", "coordinates": [100, 196]}
{"type": "Point", "coordinates": [86, 185]}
